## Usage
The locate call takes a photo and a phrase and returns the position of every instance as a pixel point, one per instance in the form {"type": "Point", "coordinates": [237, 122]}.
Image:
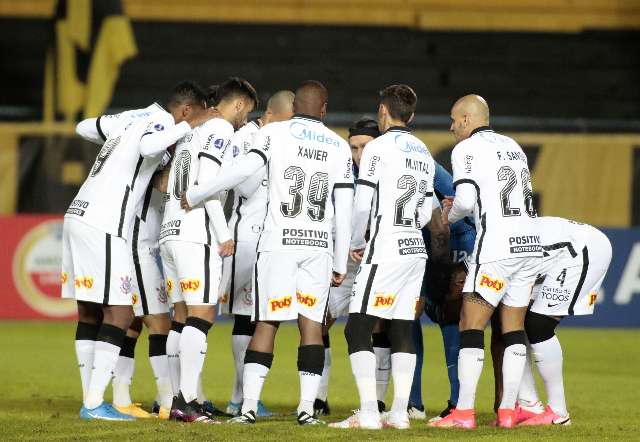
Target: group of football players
{"type": "Point", "coordinates": [320, 229]}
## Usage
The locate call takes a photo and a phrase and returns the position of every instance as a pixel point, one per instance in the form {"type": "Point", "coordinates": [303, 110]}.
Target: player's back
{"type": "Point", "coordinates": [306, 161]}
{"type": "Point", "coordinates": [562, 237]}
{"type": "Point", "coordinates": [402, 170]}
{"type": "Point", "coordinates": [504, 213]}
{"type": "Point", "coordinates": [105, 200]}
{"type": "Point", "coordinates": [208, 139]}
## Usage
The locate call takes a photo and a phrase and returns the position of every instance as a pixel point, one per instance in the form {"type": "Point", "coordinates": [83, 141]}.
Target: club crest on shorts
{"type": "Point", "coordinates": [126, 284]}
{"type": "Point", "coordinates": [279, 303]}
{"type": "Point", "coordinates": [380, 299]}
{"type": "Point", "coordinates": [494, 284]}
{"type": "Point", "coordinates": [162, 292]}
{"type": "Point", "coordinates": [306, 299]}
{"type": "Point", "coordinates": [246, 296]}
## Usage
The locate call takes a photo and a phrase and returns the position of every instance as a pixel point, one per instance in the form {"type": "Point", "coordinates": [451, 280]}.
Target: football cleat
{"type": "Point", "coordinates": [457, 419]}
{"type": "Point", "coordinates": [382, 407]}
{"type": "Point", "coordinates": [365, 421]}
{"type": "Point", "coordinates": [234, 408]}
{"type": "Point", "coordinates": [399, 421]}
{"type": "Point", "coordinates": [524, 412]}
{"type": "Point", "coordinates": [105, 412]}
{"type": "Point", "coordinates": [416, 412]}
{"type": "Point", "coordinates": [321, 408]}
{"type": "Point", "coordinates": [189, 412]}
{"type": "Point", "coordinates": [155, 408]}
{"type": "Point", "coordinates": [443, 413]}
{"type": "Point", "coordinates": [134, 410]}
{"type": "Point", "coordinates": [305, 418]}
{"type": "Point", "coordinates": [212, 411]}
{"type": "Point", "coordinates": [264, 411]}
{"type": "Point", "coordinates": [249, 418]}
{"type": "Point", "coordinates": [506, 418]}
{"type": "Point", "coordinates": [548, 417]}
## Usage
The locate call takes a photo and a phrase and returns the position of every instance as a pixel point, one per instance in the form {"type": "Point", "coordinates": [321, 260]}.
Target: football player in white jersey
{"type": "Point", "coordinates": [96, 264]}
{"type": "Point", "coordinates": [360, 133]}
{"type": "Point", "coordinates": [310, 193]}
{"type": "Point", "coordinates": [493, 183]}
{"type": "Point", "coordinates": [575, 261]}
{"type": "Point", "coordinates": [249, 210]}
{"type": "Point", "coordinates": [193, 243]}
{"type": "Point", "coordinates": [149, 295]}
{"type": "Point", "coordinates": [394, 188]}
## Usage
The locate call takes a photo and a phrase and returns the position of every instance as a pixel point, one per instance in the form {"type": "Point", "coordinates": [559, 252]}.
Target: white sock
{"type": "Point", "coordinates": [253, 380]}
{"type": "Point", "coordinates": [548, 356]}
{"type": "Point", "coordinates": [513, 362]}
{"type": "Point", "coordinates": [402, 368]}
{"type": "Point", "coordinates": [527, 395]}
{"type": "Point", "coordinates": [173, 358]}
{"type": "Point", "coordinates": [122, 377]}
{"type": "Point", "coordinates": [201, 396]}
{"type": "Point", "coordinates": [239, 344]}
{"type": "Point", "coordinates": [160, 367]}
{"type": "Point", "coordinates": [323, 389]}
{"type": "Point", "coordinates": [104, 362]}
{"type": "Point", "coordinates": [470, 361]}
{"type": "Point", "coordinates": [309, 383]}
{"type": "Point", "coordinates": [363, 366]}
{"type": "Point", "coordinates": [193, 348]}
{"type": "Point", "coordinates": [383, 369]}
{"type": "Point", "coordinates": [84, 355]}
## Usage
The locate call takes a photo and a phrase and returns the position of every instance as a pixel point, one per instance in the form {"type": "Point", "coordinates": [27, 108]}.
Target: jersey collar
{"type": "Point", "coordinates": [308, 117]}
{"type": "Point", "coordinates": [480, 129]}
{"type": "Point", "coordinates": [398, 129]}
{"type": "Point", "coordinates": [256, 122]}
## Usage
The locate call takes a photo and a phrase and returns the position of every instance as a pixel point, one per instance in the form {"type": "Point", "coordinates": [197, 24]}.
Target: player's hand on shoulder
{"type": "Point", "coordinates": [226, 248]}
{"type": "Point", "coordinates": [357, 255]}
{"type": "Point", "coordinates": [184, 203]}
{"type": "Point", "coordinates": [337, 279]}
{"type": "Point", "coordinates": [447, 203]}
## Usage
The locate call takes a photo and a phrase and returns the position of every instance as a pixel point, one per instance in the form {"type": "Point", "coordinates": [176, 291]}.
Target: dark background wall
{"type": "Point", "coordinates": [586, 75]}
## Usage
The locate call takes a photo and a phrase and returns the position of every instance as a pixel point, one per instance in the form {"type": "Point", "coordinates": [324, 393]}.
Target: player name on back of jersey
{"type": "Point", "coordinates": [312, 154]}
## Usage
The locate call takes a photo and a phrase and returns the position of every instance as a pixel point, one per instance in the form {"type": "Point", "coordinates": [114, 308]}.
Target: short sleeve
{"type": "Point", "coordinates": [216, 137]}
{"type": "Point", "coordinates": [264, 143]}
{"type": "Point", "coordinates": [370, 166]}
{"type": "Point", "coordinates": [462, 163]}
{"type": "Point", "coordinates": [343, 176]}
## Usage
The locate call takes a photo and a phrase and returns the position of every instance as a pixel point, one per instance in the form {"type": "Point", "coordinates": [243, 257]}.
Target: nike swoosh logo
{"type": "Point", "coordinates": [553, 305]}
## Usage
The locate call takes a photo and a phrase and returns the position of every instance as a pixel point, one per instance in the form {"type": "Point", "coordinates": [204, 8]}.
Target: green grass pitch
{"type": "Point", "coordinates": [41, 391]}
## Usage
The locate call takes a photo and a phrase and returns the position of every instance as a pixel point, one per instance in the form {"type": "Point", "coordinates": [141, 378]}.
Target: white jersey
{"type": "Point", "coordinates": [204, 143]}
{"type": "Point", "coordinates": [151, 218]}
{"type": "Point", "coordinates": [504, 214]}
{"type": "Point", "coordinates": [249, 210]}
{"type": "Point", "coordinates": [564, 240]}
{"type": "Point", "coordinates": [306, 161]}
{"type": "Point", "coordinates": [401, 170]}
{"type": "Point", "coordinates": [113, 192]}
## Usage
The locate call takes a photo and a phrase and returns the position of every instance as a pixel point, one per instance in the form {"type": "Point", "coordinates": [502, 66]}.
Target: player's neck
{"type": "Point", "coordinates": [393, 123]}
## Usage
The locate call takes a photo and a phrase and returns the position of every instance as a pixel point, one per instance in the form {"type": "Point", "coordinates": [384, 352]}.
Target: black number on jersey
{"type": "Point", "coordinates": [506, 173]}
{"type": "Point", "coordinates": [317, 195]}
{"type": "Point", "coordinates": [104, 155]}
{"type": "Point", "coordinates": [561, 277]}
{"type": "Point", "coordinates": [181, 173]}
{"type": "Point", "coordinates": [408, 182]}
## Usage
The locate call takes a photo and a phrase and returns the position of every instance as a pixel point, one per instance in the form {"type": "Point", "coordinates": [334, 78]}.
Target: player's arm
{"type": "Point", "coordinates": [343, 207]}
{"type": "Point", "coordinates": [365, 190]}
{"type": "Point", "coordinates": [160, 133]}
{"type": "Point", "coordinates": [230, 177]}
{"type": "Point", "coordinates": [464, 185]}
{"type": "Point", "coordinates": [96, 130]}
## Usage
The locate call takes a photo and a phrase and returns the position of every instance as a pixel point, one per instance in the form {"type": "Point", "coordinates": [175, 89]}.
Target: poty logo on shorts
{"type": "Point", "coordinates": [134, 298]}
{"type": "Point", "coordinates": [593, 296]}
{"type": "Point", "coordinates": [126, 285]}
{"type": "Point", "coordinates": [189, 285]}
{"type": "Point", "coordinates": [494, 284]}
{"type": "Point", "coordinates": [279, 303]}
{"type": "Point", "coordinates": [81, 282]}
{"type": "Point", "coordinates": [382, 300]}
{"type": "Point", "coordinates": [306, 299]}
{"type": "Point", "coordinates": [64, 277]}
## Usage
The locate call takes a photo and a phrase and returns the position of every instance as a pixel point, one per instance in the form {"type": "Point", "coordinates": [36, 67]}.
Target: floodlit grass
{"type": "Point", "coordinates": [41, 391]}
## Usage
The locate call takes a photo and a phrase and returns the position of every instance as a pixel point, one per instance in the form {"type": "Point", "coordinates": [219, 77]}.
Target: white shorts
{"type": "Point", "coordinates": [340, 297]}
{"type": "Point", "coordinates": [96, 266]}
{"type": "Point", "coordinates": [192, 271]}
{"type": "Point", "coordinates": [508, 281]}
{"type": "Point", "coordinates": [570, 289]}
{"type": "Point", "coordinates": [236, 297]}
{"type": "Point", "coordinates": [388, 290]}
{"type": "Point", "coordinates": [291, 283]}
{"type": "Point", "coordinates": [150, 283]}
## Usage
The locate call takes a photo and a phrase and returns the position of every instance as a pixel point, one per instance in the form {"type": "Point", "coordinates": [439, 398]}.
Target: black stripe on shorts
{"type": "Point", "coordinates": [207, 258]}
{"type": "Point", "coordinates": [367, 289]}
{"type": "Point", "coordinates": [107, 270]}
{"type": "Point", "coordinates": [583, 276]}
{"type": "Point", "coordinates": [138, 268]}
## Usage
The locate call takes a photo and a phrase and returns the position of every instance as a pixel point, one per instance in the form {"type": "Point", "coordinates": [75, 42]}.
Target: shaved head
{"type": "Point", "coordinates": [468, 113]}
{"type": "Point", "coordinates": [311, 99]}
{"type": "Point", "coordinates": [279, 107]}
